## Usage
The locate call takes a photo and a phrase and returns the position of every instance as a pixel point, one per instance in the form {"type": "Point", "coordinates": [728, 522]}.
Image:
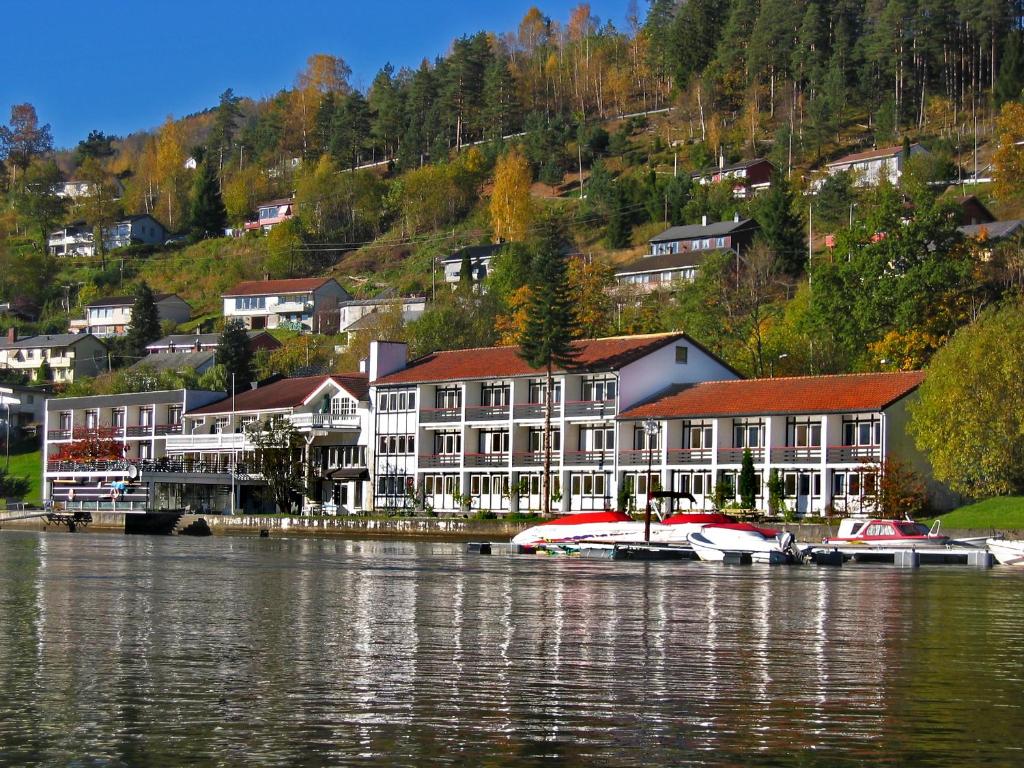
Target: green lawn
{"type": "Point", "coordinates": [1000, 512]}
{"type": "Point", "coordinates": [29, 465]}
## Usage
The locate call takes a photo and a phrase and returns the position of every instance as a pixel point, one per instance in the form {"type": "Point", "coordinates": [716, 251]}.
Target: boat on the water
{"type": "Point", "coordinates": [1006, 552]}
{"type": "Point", "coordinates": [762, 545]}
{"type": "Point", "coordinates": [614, 528]}
{"type": "Point", "coordinates": [885, 534]}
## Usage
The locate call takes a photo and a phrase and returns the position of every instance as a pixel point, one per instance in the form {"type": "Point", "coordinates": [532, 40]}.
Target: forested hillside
{"type": "Point", "coordinates": [577, 135]}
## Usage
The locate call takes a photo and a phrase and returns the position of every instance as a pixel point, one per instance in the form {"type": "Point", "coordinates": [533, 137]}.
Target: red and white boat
{"type": "Point", "coordinates": [715, 542]}
{"type": "Point", "coordinates": [885, 534]}
{"type": "Point", "coordinates": [614, 528]}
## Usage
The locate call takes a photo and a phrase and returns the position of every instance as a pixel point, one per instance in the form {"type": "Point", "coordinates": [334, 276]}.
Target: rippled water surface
{"type": "Point", "coordinates": [133, 651]}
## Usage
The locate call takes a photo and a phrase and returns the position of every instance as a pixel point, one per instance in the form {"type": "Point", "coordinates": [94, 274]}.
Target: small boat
{"type": "Point", "coordinates": [762, 545]}
{"type": "Point", "coordinates": [887, 534]}
{"type": "Point", "coordinates": [1006, 552]}
{"type": "Point", "coordinates": [613, 528]}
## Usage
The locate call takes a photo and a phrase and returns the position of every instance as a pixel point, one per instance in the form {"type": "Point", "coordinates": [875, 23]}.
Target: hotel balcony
{"type": "Point", "coordinates": [794, 455]}
{"type": "Point", "coordinates": [440, 415]}
{"type": "Point", "coordinates": [230, 441]}
{"type": "Point", "coordinates": [486, 460]}
{"type": "Point", "coordinates": [690, 455]}
{"type": "Point", "coordinates": [487, 412]}
{"type": "Point", "coordinates": [536, 410]}
{"type": "Point", "coordinates": [435, 460]}
{"type": "Point", "coordinates": [639, 457]}
{"type": "Point", "coordinates": [735, 455]}
{"type": "Point", "coordinates": [591, 408]}
{"type": "Point", "coordinates": [534, 459]}
{"type": "Point", "coordinates": [853, 454]}
{"type": "Point", "coordinates": [167, 429]}
{"type": "Point", "coordinates": [325, 420]}
{"type": "Point", "coordinates": [590, 458]}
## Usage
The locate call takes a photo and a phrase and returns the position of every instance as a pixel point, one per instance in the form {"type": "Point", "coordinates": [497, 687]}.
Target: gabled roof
{"type": "Point", "coordinates": [262, 287]}
{"type": "Point", "coordinates": [691, 231]}
{"type": "Point", "coordinates": [286, 393]}
{"type": "Point", "coordinates": [279, 201]}
{"type": "Point", "coordinates": [872, 154]}
{"type": "Point", "coordinates": [606, 354]}
{"type": "Point", "coordinates": [475, 252]}
{"type": "Point", "coordinates": [127, 301]}
{"type": "Point", "coordinates": [712, 170]}
{"type": "Point", "coordinates": [846, 393]}
{"type": "Point", "coordinates": [993, 230]}
{"type": "Point", "coordinates": [47, 341]}
{"type": "Point", "coordinates": [191, 339]}
{"type": "Point", "coordinates": [665, 261]}
{"type": "Point", "coordinates": [176, 361]}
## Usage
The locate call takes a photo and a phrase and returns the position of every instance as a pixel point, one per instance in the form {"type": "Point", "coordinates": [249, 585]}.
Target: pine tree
{"type": "Point", "coordinates": [234, 354]}
{"type": "Point", "coordinates": [208, 217]}
{"type": "Point", "coordinates": [747, 481]}
{"type": "Point", "coordinates": [547, 339]}
{"type": "Point", "coordinates": [501, 110]}
{"type": "Point", "coordinates": [144, 327]}
{"type": "Point", "coordinates": [1010, 82]}
{"type": "Point", "coordinates": [466, 272]}
{"type": "Point", "coordinates": [617, 234]}
{"type": "Point", "coordinates": [781, 228]}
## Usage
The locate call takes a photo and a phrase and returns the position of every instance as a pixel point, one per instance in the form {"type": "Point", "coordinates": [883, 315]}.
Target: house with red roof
{"type": "Point", "coordinates": [871, 166]}
{"type": "Point", "coordinates": [305, 304]}
{"type": "Point", "coordinates": [470, 423]}
{"type": "Point", "coordinates": [271, 213]}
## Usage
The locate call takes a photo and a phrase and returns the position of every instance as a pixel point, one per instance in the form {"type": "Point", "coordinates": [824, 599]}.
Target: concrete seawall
{"type": "Point", "coordinates": [392, 527]}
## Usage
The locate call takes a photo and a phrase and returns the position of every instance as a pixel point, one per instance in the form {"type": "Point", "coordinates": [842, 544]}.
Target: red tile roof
{"type": "Point", "coordinates": [286, 393]}
{"type": "Point", "coordinates": [260, 287]}
{"type": "Point", "coordinates": [502, 362]}
{"type": "Point", "coordinates": [795, 395]}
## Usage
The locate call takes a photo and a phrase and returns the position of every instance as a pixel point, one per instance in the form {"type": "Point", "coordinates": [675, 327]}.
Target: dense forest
{"type": "Point", "coordinates": [595, 131]}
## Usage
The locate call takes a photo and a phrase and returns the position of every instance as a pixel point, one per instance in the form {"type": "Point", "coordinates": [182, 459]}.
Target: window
{"type": "Point", "coordinates": [747, 434]}
{"type": "Point", "coordinates": [403, 400]}
{"type": "Point", "coordinates": [342, 406]}
{"type": "Point", "coordinates": [447, 443]}
{"type": "Point", "coordinates": [682, 353]}
{"type": "Point", "coordinates": [250, 302]}
{"type": "Point", "coordinates": [174, 414]}
{"type": "Point", "coordinates": [222, 425]}
{"type": "Point", "coordinates": [382, 402]}
{"type": "Point", "coordinates": [803, 434]}
{"type": "Point", "coordinates": [643, 441]}
{"type": "Point", "coordinates": [597, 438]}
{"type": "Point", "coordinates": [705, 243]}
{"type": "Point", "coordinates": [393, 401]}
{"type": "Point", "coordinates": [698, 436]}
{"type": "Point", "coordinates": [145, 451]}
{"type": "Point", "coordinates": [145, 417]}
{"type": "Point", "coordinates": [117, 418]}
{"type": "Point", "coordinates": [720, 242]}
{"type": "Point", "coordinates": [537, 439]}
{"type": "Point", "coordinates": [494, 394]}
{"type": "Point", "coordinates": [862, 432]}
{"type": "Point", "coordinates": [448, 397]}
{"type": "Point", "coordinates": [92, 419]}
{"type": "Point", "coordinates": [494, 441]}
{"type": "Point", "coordinates": [538, 392]}
{"type": "Point", "coordinates": [598, 389]}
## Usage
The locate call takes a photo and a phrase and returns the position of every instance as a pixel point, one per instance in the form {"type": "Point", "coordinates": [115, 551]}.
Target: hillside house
{"type": "Point", "coordinates": [480, 257]}
{"type": "Point", "coordinates": [75, 189]}
{"type": "Point", "coordinates": [69, 355]}
{"type": "Point", "coordinates": [271, 213]}
{"type": "Point", "coordinates": [871, 166]}
{"type": "Point", "coordinates": [206, 342]}
{"type": "Point", "coordinates": [303, 304]}
{"type": "Point", "coordinates": [111, 316]}
{"type": "Point", "coordinates": [78, 240]}
{"type": "Point", "coordinates": [747, 177]}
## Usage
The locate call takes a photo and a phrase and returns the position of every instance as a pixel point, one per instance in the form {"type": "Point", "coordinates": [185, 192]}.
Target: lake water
{"type": "Point", "coordinates": [135, 651]}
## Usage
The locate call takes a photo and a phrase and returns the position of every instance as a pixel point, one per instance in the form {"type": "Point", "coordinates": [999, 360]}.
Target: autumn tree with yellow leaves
{"type": "Point", "coordinates": [511, 207]}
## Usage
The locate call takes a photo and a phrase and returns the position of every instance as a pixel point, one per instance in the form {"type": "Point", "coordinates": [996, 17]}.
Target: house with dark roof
{"type": "Point", "coordinates": [111, 315]}
{"type": "Point", "coordinates": [309, 304]}
{"type": "Point", "coordinates": [677, 253]}
{"type": "Point", "coordinates": [747, 177]}
{"type": "Point", "coordinates": [479, 256]}
{"type": "Point", "coordinates": [332, 414]}
{"type": "Point", "coordinates": [271, 213]}
{"type": "Point", "coordinates": [362, 314]}
{"type": "Point", "coordinates": [68, 356]}
{"type": "Point", "coordinates": [871, 166]}
{"type": "Point", "coordinates": [207, 342]}
{"type": "Point", "coordinates": [470, 421]}
{"type": "Point", "coordinates": [77, 239]}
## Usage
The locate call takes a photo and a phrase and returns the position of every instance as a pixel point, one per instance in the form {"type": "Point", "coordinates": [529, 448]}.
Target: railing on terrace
{"type": "Point", "coordinates": [144, 430]}
{"type": "Point", "coordinates": [590, 458]}
{"type": "Point", "coordinates": [324, 420]}
{"type": "Point", "coordinates": [735, 455]}
{"type": "Point", "coordinates": [486, 412]}
{"type": "Point", "coordinates": [536, 410]}
{"type": "Point", "coordinates": [599, 408]}
{"type": "Point", "coordinates": [58, 434]}
{"type": "Point", "coordinates": [850, 454]}
{"type": "Point", "coordinates": [487, 459]}
{"type": "Point", "coordinates": [440, 415]}
{"type": "Point", "coordinates": [168, 464]}
{"type": "Point", "coordinates": [796, 455]}
{"type": "Point", "coordinates": [534, 458]}
{"type": "Point", "coordinates": [94, 465]}
{"type": "Point", "coordinates": [639, 456]}
{"type": "Point", "coordinates": [168, 429]}
{"type": "Point", "coordinates": [432, 460]}
{"type": "Point", "coordinates": [206, 442]}
{"type": "Point", "coordinates": [690, 455]}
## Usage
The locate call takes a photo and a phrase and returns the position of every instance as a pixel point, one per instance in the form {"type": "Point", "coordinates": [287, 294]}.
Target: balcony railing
{"type": "Point", "coordinates": [433, 460]}
{"type": "Point", "coordinates": [325, 420]}
{"type": "Point", "coordinates": [58, 434]}
{"type": "Point", "coordinates": [689, 455]}
{"type": "Point", "coordinates": [536, 410]}
{"type": "Point", "coordinates": [639, 456]}
{"type": "Point", "coordinates": [486, 412]}
{"type": "Point", "coordinates": [143, 430]}
{"type": "Point", "coordinates": [168, 429]}
{"type": "Point", "coordinates": [796, 455]}
{"type": "Point", "coordinates": [97, 465]}
{"type": "Point", "coordinates": [599, 408]}
{"type": "Point", "coordinates": [487, 459]}
{"type": "Point", "coordinates": [221, 440]}
{"type": "Point", "coordinates": [534, 458]}
{"type": "Point", "coordinates": [851, 454]}
{"type": "Point", "coordinates": [735, 455]}
{"type": "Point", "coordinates": [440, 415]}
{"type": "Point", "coordinates": [590, 458]}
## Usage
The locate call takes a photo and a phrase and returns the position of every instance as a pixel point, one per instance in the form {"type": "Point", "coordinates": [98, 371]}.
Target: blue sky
{"type": "Point", "coordinates": [120, 66]}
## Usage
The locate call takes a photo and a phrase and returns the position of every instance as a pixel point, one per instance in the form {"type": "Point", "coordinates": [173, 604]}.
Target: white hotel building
{"type": "Point", "coordinates": [470, 423]}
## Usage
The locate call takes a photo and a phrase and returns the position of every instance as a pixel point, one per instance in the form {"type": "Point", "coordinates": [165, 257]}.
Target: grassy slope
{"type": "Point", "coordinates": [29, 465]}
{"type": "Point", "coordinates": [1001, 512]}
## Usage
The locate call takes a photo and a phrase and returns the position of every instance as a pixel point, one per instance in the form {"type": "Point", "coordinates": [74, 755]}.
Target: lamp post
{"type": "Point", "coordinates": [650, 429]}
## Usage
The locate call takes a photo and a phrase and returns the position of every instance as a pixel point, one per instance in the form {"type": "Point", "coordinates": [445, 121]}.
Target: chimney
{"type": "Point", "coordinates": [736, 217]}
{"type": "Point", "coordinates": [266, 275]}
{"type": "Point", "coordinates": [721, 160]}
{"type": "Point", "coordinates": [704, 220]}
{"type": "Point", "coordinates": [386, 357]}
{"type": "Point", "coordinates": [363, 365]}
{"type": "Point", "coordinates": [12, 334]}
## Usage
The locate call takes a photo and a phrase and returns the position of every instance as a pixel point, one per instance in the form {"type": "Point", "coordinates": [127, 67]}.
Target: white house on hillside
{"type": "Point", "coordinates": [111, 316]}
{"type": "Point", "coordinates": [302, 304]}
{"type": "Point", "coordinates": [873, 165]}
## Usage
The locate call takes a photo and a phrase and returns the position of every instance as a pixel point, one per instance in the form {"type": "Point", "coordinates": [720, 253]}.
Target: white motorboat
{"type": "Point", "coordinates": [1006, 552]}
{"type": "Point", "coordinates": [762, 545]}
{"type": "Point", "coordinates": [613, 528]}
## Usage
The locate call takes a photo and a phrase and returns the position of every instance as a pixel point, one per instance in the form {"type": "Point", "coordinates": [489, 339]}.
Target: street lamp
{"type": "Point", "coordinates": [651, 428]}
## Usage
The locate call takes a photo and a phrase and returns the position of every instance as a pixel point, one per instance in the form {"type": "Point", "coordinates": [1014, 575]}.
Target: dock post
{"type": "Point", "coordinates": [980, 558]}
{"type": "Point", "coordinates": [907, 558]}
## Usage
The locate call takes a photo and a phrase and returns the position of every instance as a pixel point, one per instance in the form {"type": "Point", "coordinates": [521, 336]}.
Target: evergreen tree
{"type": "Point", "coordinates": [500, 105]}
{"type": "Point", "coordinates": [781, 227]}
{"type": "Point", "coordinates": [208, 217]}
{"type": "Point", "coordinates": [547, 338]}
{"type": "Point", "coordinates": [1010, 82]}
{"type": "Point", "coordinates": [747, 481]}
{"type": "Point", "coordinates": [466, 272]}
{"type": "Point", "coordinates": [234, 354]}
{"type": "Point", "coordinates": [222, 134]}
{"type": "Point", "coordinates": [144, 327]}
{"type": "Point", "coordinates": [618, 232]}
